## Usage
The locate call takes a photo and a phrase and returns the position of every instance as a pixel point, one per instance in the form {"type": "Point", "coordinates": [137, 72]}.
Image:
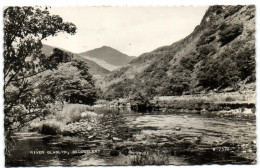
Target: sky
{"type": "Point", "coordinates": [131, 30]}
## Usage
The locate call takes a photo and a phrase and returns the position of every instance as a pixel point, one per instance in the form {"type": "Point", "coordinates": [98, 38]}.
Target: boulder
{"type": "Point", "coordinates": [114, 153]}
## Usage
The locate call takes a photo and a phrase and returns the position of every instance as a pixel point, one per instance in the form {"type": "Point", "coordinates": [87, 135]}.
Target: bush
{"type": "Point", "coordinates": [218, 73]}
{"type": "Point", "coordinates": [232, 10]}
{"type": "Point", "coordinates": [243, 54]}
{"type": "Point", "coordinates": [245, 59]}
{"type": "Point", "coordinates": [50, 127]}
{"type": "Point", "coordinates": [204, 51]}
{"type": "Point", "coordinates": [229, 99]}
{"type": "Point", "coordinates": [188, 62]}
{"type": "Point", "coordinates": [190, 104]}
{"type": "Point", "coordinates": [229, 32]}
{"type": "Point", "coordinates": [236, 45]}
{"type": "Point", "coordinates": [207, 37]}
{"type": "Point", "coordinates": [139, 102]}
{"type": "Point", "coordinates": [150, 158]}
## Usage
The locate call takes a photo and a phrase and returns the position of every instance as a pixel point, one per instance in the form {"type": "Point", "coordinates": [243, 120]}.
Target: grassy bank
{"type": "Point", "coordinates": [214, 98]}
{"type": "Point", "coordinates": [232, 103]}
{"type": "Point", "coordinates": [224, 104]}
{"type": "Point", "coordinates": [70, 120]}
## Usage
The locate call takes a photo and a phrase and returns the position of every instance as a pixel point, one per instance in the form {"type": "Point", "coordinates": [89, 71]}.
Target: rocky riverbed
{"type": "Point", "coordinates": [121, 137]}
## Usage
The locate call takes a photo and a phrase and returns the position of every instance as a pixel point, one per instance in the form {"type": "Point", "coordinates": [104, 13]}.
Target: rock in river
{"type": "Point", "coordinates": [114, 153]}
{"type": "Point", "coordinates": [117, 139]}
{"type": "Point", "coordinates": [178, 128]}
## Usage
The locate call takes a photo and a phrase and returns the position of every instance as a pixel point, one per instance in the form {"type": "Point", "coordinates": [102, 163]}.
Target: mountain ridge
{"type": "Point", "coordinates": [219, 53]}
{"type": "Point", "coordinates": [108, 54]}
{"type": "Point", "coordinates": [94, 69]}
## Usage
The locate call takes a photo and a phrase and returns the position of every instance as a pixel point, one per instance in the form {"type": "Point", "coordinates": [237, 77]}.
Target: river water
{"type": "Point", "coordinates": [186, 139]}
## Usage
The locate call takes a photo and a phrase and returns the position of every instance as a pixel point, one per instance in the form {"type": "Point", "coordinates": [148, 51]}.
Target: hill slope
{"type": "Point", "coordinates": [94, 69]}
{"type": "Point", "coordinates": [109, 55]}
{"type": "Point", "coordinates": [218, 54]}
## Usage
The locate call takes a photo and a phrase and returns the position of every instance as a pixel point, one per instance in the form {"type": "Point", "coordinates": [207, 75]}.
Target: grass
{"type": "Point", "coordinates": [56, 123]}
{"type": "Point", "coordinates": [211, 102]}
{"type": "Point", "coordinates": [210, 98]}
{"type": "Point", "coordinates": [150, 158]}
{"type": "Point", "coordinates": [73, 112]}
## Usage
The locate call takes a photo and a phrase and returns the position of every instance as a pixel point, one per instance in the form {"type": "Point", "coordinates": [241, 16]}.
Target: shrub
{"type": "Point", "coordinates": [229, 32]}
{"type": "Point", "coordinates": [245, 59]}
{"type": "Point", "coordinates": [219, 11]}
{"type": "Point", "coordinates": [232, 10]}
{"type": "Point", "coordinates": [214, 107]}
{"type": "Point", "coordinates": [150, 158]}
{"type": "Point", "coordinates": [139, 102]}
{"type": "Point", "coordinates": [215, 73]}
{"type": "Point", "coordinates": [207, 37]}
{"type": "Point", "coordinates": [205, 50]}
{"type": "Point", "coordinates": [229, 99]}
{"type": "Point", "coordinates": [188, 61]}
{"type": "Point", "coordinates": [236, 45]}
{"type": "Point", "coordinates": [50, 127]}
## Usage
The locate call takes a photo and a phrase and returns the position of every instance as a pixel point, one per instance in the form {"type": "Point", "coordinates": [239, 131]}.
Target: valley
{"type": "Point", "coordinates": [189, 103]}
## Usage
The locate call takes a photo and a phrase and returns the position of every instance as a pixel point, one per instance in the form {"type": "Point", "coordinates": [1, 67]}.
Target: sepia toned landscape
{"type": "Point", "coordinates": [191, 102]}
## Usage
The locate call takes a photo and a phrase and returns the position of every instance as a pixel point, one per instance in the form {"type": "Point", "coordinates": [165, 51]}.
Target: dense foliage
{"type": "Point", "coordinates": [229, 32]}
{"type": "Point", "coordinates": [24, 28]}
{"type": "Point", "coordinates": [220, 53]}
{"type": "Point", "coordinates": [69, 82]}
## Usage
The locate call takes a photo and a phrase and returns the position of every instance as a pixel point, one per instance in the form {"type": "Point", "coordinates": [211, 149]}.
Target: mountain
{"type": "Point", "coordinates": [94, 69]}
{"type": "Point", "coordinates": [219, 54]}
{"type": "Point", "coordinates": [109, 55]}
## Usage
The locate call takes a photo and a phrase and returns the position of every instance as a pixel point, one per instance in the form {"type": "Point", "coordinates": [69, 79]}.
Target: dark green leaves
{"type": "Point", "coordinates": [24, 28]}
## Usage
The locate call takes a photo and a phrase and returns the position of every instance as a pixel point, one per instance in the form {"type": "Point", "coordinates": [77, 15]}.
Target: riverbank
{"type": "Point", "coordinates": [78, 119]}
{"type": "Point", "coordinates": [71, 119]}
{"type": "Point", "coordinates": [233, 104]}
{"type": "Point", "coordinates": [180, 130]}
{"type": "Point", "coordinates": [124, 137]}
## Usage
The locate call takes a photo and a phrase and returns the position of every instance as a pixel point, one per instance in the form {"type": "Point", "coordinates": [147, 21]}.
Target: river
{"type": "Point", "coordinates": [185, 139]}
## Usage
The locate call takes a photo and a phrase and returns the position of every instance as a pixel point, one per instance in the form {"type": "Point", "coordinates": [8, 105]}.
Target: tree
{"type": "Point", "coordinates": [139, 102]}
{"type": "Point", "coordinates": [24, 28]}
{"type": "Point", "coordinates": [58, 56]}
{"type": "Point", "coordinates": [218, 73]}
{"type": "Point", "coordinates": [68, 83]}
{"type": "Point", "coordinates": [189, 61]}
{"type": "Point", "coordinates": [245, 59]}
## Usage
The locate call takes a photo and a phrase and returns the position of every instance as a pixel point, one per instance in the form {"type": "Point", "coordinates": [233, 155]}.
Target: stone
{"type": "Point", "coordinates": [125, 151]}
{"type": "Point", "coordinates": [164, 140]}
{"type": "Point", "coordinates": [114, 153]}
{"type": "Point", "coordinates": [120, 147]}
{"type": "Point", "coordinates": [89, 128]}
{"type": "Point", "coordinates": [91, 137]}
{"type": "Point", "coordinates": [116, 139]}
{"type": "Point", "coordinates": [178, 128]}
